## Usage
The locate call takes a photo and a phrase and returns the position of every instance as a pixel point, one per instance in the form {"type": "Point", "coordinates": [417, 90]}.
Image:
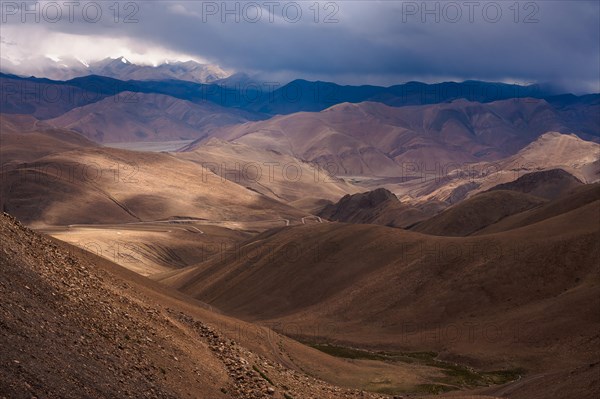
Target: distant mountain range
{"type": "Point", "coordinates": [118, 68]}
{"type": "Point", "coordinates": [393, 126]}
{"type": "Point", "coordinates": [240, 91]}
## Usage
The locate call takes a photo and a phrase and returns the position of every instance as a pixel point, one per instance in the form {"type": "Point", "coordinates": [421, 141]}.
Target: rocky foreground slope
{"type": "Point", "coordinates": [73, 325]}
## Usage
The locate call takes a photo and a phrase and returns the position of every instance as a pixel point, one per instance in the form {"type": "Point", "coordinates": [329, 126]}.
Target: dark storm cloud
{"type": "Point", "coordinates": [371, 42]}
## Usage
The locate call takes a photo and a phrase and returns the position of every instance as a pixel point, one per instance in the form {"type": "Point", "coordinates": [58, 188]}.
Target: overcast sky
{"type": "Point", "coordinates": [352, 42]}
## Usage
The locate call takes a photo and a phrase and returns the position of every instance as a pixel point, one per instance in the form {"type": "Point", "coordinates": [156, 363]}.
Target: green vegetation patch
{"type": "Point", "coordinates": [456, 376]}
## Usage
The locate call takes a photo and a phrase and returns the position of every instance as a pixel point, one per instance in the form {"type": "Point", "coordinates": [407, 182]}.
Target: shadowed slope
{"type": "Point", "coordinates": [509, 206]}
{"type": "Point", "coordinates": [548, 184]}
{"type": "Point", "coordinates": [379, 206]}
{"type": "Point", "coordinates": [386, 288]}
{"type": "Point", "coordinates": [577, 198]}
{"type": "Point", "coordinates": [477, 212]}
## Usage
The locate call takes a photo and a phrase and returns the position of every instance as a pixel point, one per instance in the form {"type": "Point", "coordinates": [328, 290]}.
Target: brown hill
{"type": "Point", "coordinates": [122, 203]}
{"type": "Point", "coordinates": [554, 150]}
{"type": "Point", "coordinates": [104, 185]}
{"type": "Point", "coordinates": [25, 139]}
{"type": "Point", "coordinates": [536, 287]}
{"type": "Point", "coordinates": [372, 139]}
{"type": "Point", "coordinates": [551, 150]}
{"type": "Point", "coordinates": [149, 212]}
{"type": "Point", "coordinates": [132, 117]}
{"type": "Point", "coordinates": [379, 206]}
{"type": "Point", "coordinates": [279, 176]}
{"type": "Point", "coordinates": [477, 212]}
